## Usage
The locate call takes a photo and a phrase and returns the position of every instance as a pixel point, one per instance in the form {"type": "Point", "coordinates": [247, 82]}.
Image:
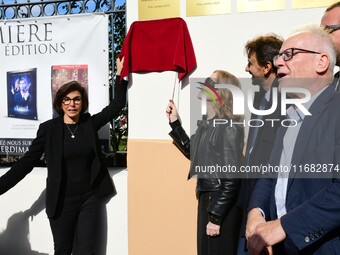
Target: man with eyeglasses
{"type": "Point", "coordinates": [296, 211]}
{"type": "Point", "coordinates": [331, 23]}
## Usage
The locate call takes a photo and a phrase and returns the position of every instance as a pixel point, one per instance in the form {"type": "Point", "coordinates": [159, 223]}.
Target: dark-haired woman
{"type": "Point", "coordinates": [77, 181]}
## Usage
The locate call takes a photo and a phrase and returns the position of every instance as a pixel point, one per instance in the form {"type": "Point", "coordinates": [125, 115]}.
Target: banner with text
{"type": "Point", "coordinates": [37, 57]}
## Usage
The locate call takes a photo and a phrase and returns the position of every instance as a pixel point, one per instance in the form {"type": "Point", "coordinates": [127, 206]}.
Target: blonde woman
{"type": "Point", "coordinates": [213, 146]}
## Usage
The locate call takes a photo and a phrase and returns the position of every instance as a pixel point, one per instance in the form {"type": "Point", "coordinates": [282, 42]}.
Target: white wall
{"type": "Point", "coordinates": [219, 44]}
{"type": "Point", "coordinates": [17, 232]}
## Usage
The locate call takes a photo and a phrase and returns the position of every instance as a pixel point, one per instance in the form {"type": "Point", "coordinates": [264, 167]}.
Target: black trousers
{"type": "Point", "coordinates": [79, 214]}
{"type": "Point", "coordinates": [223, 244]}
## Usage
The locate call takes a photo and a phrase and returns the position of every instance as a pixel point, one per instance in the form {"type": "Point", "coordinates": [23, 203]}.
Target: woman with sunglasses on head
{"type": "Point", "coordinates": [78, 183]}
{"type": "Point", "coordinates": [213, 145]}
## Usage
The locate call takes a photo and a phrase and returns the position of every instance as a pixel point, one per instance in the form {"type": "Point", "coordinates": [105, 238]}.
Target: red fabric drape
{"type": "Point", "coordinates": [158, 45]}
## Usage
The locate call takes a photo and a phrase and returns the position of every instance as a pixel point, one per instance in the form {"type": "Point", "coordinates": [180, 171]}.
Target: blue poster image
{"type": "Point", "coordinates": [21, 94]}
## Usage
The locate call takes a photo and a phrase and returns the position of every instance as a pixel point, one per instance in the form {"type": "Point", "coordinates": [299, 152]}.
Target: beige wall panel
{"type": "Point", "coordinates": [161, 202]}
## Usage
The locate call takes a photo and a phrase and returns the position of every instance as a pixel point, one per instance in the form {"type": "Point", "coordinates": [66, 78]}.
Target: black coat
{"type": "Point", "coordinates": [260, 153]}
{"type": "Point", "coordinates": [210, 146]}
{"type": "Point", "coordinates": [49, 141]}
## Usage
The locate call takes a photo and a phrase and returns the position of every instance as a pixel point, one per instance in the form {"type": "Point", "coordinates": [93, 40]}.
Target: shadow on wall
{"type": "Point", "coordinates": [14, 239]}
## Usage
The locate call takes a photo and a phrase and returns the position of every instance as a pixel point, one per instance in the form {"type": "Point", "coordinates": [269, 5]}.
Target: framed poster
{"type": "Point", "coordinates": [22, 94]}
{"type": "Point", "coordinates": [61, 74]}
{"type": "Point", "coordinates": [30, 60]}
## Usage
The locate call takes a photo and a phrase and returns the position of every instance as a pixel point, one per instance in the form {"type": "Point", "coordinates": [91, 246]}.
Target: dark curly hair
{"type": "Point", "coordinates": [266, 47]}
{"type": "Point", "coordinates": [65, 90]}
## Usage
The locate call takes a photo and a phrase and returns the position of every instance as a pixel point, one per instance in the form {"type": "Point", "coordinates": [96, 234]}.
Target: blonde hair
{"type": "Point", "coordinates": [226, 109]}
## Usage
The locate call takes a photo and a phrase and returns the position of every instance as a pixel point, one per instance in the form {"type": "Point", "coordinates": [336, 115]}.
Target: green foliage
{"type": "Point", "coordinates": [119, 136]}
{"type": "Point", "coordinates": [117, 31]}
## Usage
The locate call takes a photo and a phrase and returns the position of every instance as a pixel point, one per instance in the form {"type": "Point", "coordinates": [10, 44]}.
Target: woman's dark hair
{"type": "Point", "coordinates": [65, 90]}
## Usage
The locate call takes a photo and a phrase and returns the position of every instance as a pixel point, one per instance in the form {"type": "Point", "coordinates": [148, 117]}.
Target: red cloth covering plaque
{"type": "Point", "coordinates": [158, 45]}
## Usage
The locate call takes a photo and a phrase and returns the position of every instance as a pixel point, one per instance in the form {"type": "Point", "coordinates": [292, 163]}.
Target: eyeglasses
{"type": "Point", "coordinates": [288, 54]}
{"type": "Point", "coordinates": [331, 28]}
{"type": "Point", "coordinates": [67, 100]}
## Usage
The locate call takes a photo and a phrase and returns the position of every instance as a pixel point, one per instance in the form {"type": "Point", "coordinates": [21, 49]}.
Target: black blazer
{"type": "Point", "coordinates": [49, 141]}
{"type": "Point", "coordinates": [336, 82]}
{"type": "Point", "coordinates": [261, 152]}
{"type": "Point", "coordinates": [266, 134]}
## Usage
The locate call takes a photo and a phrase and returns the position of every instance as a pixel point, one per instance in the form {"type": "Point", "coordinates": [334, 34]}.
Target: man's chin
{"type": "Point", "coordinates": [257, 81]}
{"type": "Point", "coordinates": [254, 81]}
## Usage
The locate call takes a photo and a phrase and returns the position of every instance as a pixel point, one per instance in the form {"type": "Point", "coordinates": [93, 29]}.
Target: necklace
{"type": "Point", "coordinates": [72, 133]}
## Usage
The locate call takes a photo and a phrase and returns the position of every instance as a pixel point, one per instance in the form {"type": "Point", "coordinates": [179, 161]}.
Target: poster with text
{"type": "Point", "coordinates": [21, 94]}
{"type": "Point", "coordinates": [38, 55]}
{"type": "Point", "coordinates": [61, 74]}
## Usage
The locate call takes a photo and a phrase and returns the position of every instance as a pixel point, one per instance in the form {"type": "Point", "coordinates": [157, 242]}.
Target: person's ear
{"type": "Point", "coordinates": [267, 68]}
{"type": "Point", "coordinates": [323, 63]}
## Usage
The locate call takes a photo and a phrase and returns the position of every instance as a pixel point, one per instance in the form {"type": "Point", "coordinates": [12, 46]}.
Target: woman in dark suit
{"type": "Point", "coordinates": [77, 182]}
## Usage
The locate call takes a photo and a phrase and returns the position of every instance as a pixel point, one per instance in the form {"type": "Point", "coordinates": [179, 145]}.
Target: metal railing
{"type": "Point", "coordinates": [50, 8]}
{"type": "Point", "coordinates": [41, 8]}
